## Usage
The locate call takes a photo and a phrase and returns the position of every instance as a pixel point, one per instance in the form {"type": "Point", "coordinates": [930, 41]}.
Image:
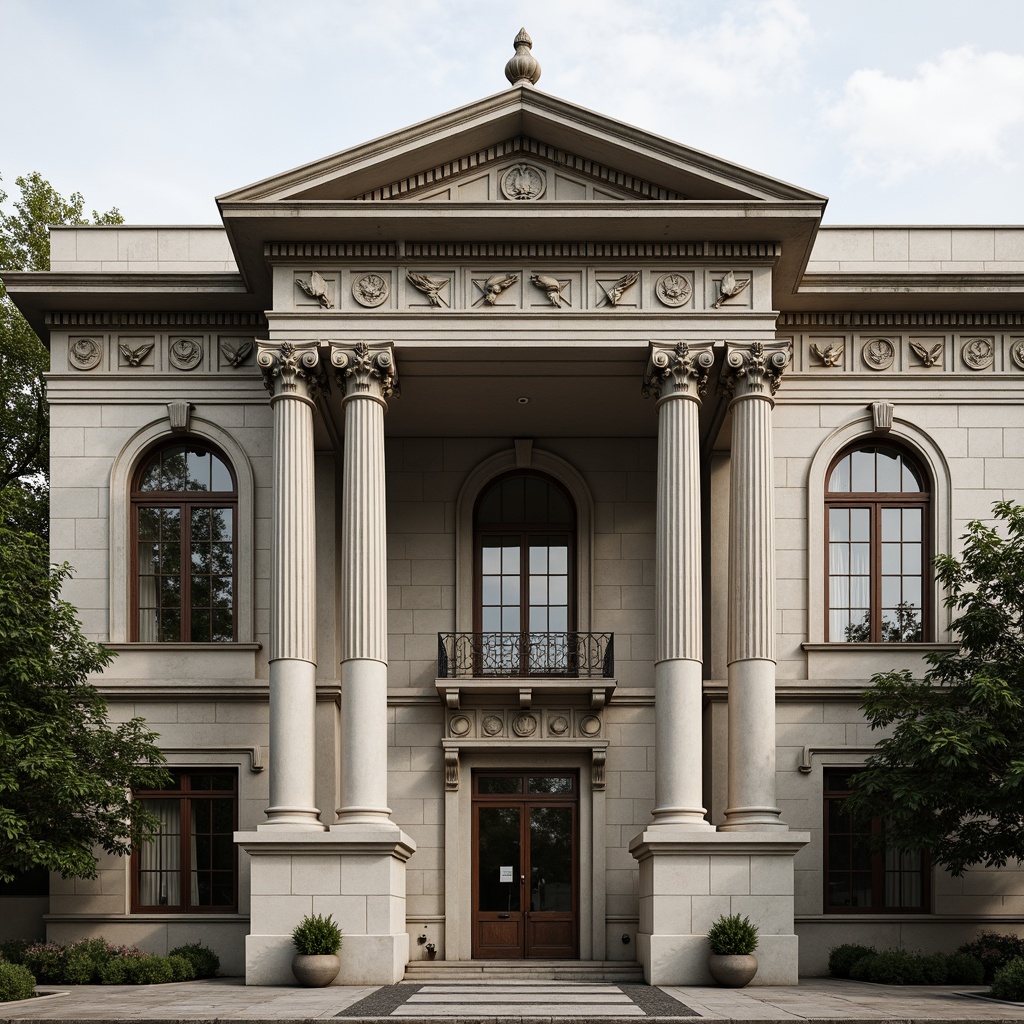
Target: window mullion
{"type": "Point", "coordinates": [185, 629]}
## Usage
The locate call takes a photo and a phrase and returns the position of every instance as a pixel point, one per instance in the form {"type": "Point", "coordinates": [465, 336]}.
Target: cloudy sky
{"type": "Point", "coordinates": [901, 111]}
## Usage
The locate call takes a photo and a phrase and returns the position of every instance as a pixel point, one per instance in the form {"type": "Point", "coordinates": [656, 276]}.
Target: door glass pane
{"type": "Point", "coordinates": [499, 784]}
{"type": "Point", "coordinates": [551, 858]}
{"type": "Point", "coordinates": [498, 834]}
{"type": "Point", "coordinates": [550, 784]}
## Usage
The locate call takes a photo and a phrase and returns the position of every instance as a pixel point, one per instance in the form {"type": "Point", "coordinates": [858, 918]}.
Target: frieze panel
{"type": "Point", "coordinates": [917, 354]}
{"type": "Point", "coordinates": [520, 286]}
{"type": "Point", "coordinates": [512, 724]}
{"type": "Point", "coordinates": [128, 353]}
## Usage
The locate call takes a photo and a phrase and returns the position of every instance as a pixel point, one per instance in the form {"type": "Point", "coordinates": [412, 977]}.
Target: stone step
{"type": "Point", "coordinates": [627, 971]}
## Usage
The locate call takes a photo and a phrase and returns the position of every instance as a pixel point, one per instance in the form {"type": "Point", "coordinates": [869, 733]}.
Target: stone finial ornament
{"type": "Point", "coordinates": [523, 68]}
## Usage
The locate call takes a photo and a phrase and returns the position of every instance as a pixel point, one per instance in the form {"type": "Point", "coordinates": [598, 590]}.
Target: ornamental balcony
{"type": "Point", "coordinates": [526, 662]}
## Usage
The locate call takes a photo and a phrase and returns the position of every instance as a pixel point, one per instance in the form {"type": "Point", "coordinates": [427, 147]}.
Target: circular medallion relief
{"type": "Point", "coordinates": [674, 289]}
{"type": "Point", "coordinates": [524, 724]}
{"type": "Point", "coordinates": [523, 181]}
{"type": "Point", "coordinates": [185, 353]}
{"type": "Point", "coordinates": [84, 353]}
{"type": "Point", "coordinates": [590, 725]}
{"type": "Point", "coordinates": [459, 725]}
{"type": "Point", "coordinates": [558, 725]}
{"type": "Point", "coordinates": [879, 354]}
{"type": "Point", "coordinates": [1017, 353]}
{"type": "Point", "coordinates": [492, 725]}
{"type": "Point", "coordinates": [978, 353]}
{"type": "Point", "coordinates": [371, 290]}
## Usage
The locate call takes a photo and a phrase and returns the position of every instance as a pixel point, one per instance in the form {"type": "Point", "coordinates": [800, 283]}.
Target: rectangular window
{"type": "Point", "coordinates": [191, 866]}
{"type": "Point", "coordinates": [859, 878]}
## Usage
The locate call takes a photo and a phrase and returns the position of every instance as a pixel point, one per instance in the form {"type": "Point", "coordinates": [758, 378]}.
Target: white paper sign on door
{"type": "Point", "coordinates": [505, 873]}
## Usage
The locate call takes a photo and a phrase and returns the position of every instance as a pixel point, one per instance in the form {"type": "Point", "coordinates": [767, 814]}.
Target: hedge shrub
{"type": "Point", "coordinates": [1009, 981]}
{"type": "Point", "coordinates": [204, 961]}
{"type": "Point", "coordinates": [994, 951]}
{"type": "Point", "coordinates": [842, 958]}
{"type": "Point", "coordinates": [902, 967]}
{"type": "Point", "coordinates": [16, 982]}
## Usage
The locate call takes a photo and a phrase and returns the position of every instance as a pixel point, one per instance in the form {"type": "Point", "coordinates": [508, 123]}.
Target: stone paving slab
{"type": "Point", "coordinates": [815, 1000]}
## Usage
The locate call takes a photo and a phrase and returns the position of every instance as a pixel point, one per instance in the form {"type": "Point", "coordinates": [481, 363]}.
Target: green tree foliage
{"type": "Point", "coordinates": [24, 425]}
{"type": "Point", "coordinates": [65, 773]}
{"type": "Point", "coordinates": [950, 776]}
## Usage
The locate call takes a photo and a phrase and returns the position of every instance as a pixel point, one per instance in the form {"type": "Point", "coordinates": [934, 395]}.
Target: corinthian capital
{"type": "Point", "coordinates": [365, 370]}
{"type": "Point", "coordinates": [679, 369]}
{"type": "Point", "coordinates": [755, 369]}
{"type": "Point", "coordinates": [291, 369]}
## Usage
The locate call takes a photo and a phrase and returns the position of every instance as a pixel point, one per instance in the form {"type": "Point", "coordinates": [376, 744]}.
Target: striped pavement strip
{"type": "Point", "coordinates": [491, 999]}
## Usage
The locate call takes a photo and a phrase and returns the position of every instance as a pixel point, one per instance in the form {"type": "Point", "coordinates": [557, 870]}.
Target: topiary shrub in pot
{"type": "Point", "coordinates": [317, 940]}
{"type": "Point", "coordinates": [732, 940]}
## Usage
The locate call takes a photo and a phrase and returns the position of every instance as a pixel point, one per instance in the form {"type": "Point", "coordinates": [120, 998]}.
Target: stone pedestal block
{"type": "Point", "coordinates": [357, 874]}
{"type": "Point", "coordinates": [689, 879]}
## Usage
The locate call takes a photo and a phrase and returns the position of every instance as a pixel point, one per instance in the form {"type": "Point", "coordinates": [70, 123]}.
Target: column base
{"type": "Point", "coordinates": [753, 819]}
{"type": "Point", "coordinates": [357, 874]}
{"type": "Point", "coordinates": [688, 879]}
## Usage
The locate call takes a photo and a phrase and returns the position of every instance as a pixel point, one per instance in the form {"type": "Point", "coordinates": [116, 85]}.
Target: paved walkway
{"type": "Point", "coordinates": [815, 999]}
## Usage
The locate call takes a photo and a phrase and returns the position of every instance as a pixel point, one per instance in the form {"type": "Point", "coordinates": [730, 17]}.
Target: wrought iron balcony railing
{"type": "Point", "coordinates": [522, 655]}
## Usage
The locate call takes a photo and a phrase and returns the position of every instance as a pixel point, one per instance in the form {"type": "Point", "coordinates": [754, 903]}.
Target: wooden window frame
{"type": "Point", "coordinates": [877, 860]}
{"type": "Point", "coordinates": [184, 502]}
{"type": "Point", "coordinates": [875, 502]}
{"type": "Point", "coordinates": [186, 795]}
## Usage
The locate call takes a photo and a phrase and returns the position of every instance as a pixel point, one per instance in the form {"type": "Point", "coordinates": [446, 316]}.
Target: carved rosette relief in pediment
{"type": "Point", "coordinates": [185, 353]}
{"type": "Point", "coordinates": [371, 290]}
{"type": "Point", "coordinates": [878, 354]}
{"type": "Point", "coordinates": [674, 290]}
{"type": "Point", "coordinates": [523, 182]}
{"type": "Point", "coordinates": [510, 724]}
{"type": "Point", "coordinates": [1017, 353]}
{"type": "Point", "coordinates": [978, 353]}
{"type": "Point", "coordinates": [85, 353]}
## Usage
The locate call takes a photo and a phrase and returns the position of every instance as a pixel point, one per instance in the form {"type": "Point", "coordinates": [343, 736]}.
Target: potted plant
{"type": "Point", "coordinates": [317, 940]}
{"type": "Point", "coordinates": [733, 940]}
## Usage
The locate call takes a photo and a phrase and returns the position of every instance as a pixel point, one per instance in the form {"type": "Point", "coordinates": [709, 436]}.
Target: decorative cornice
{"type": "Point", "coordinates": [365, 370]}
{"type": "Point", "coordinates": [592, 250]}
{"type": "Point", "coordinates": [83, 319]}
{"type": "Point", "coordinates": [330, 250]}
{"type": "Point", "coordinates": [600, 174]}
{"type": "Point", "coordinates": [849, 319]}
{"type": "Point", "coordinates": [748, 368]}
{"type": "Point", "coordinates": [679, 369]}
{"type": "Point", "coordinates": [291, 370]}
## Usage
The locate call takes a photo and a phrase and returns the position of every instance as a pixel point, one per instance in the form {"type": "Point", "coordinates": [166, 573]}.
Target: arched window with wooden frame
{"type": "Point", "coordinates": [184, 510]}
{"type": "Point", "coordinates": [524, 527]}
{"type": "Point", "coordinates": [878, 548]}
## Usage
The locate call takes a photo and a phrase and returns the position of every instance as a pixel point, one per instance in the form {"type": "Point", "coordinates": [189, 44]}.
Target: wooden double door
{"type": "Point", "coordinates": [526, 864]}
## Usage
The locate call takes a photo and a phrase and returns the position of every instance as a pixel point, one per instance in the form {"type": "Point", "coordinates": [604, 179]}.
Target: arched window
{"type": "Point", "coordinates": [878, 548]}
{"type": "Point", "coordinates": [524, 527]}
{"type": "Point", "coordinates": [184, 504]}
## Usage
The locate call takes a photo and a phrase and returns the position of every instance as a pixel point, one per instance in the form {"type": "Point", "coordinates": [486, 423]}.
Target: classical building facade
{"type": "Point", "coordinates": [498, 522]}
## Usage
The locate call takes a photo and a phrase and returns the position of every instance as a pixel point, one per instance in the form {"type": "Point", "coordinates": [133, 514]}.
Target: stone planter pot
{"type": "Point", "coordinates": [316, 970]}
{"type": "Point", "coordinates": [732, 970]}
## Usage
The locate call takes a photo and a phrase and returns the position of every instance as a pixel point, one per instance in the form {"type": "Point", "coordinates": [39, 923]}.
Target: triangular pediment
{"type": "Point", "coordinates": [469, 155]}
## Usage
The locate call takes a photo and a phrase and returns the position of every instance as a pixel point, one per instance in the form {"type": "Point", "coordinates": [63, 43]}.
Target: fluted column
{"type": "Point", "coordinates": [677, 376]}
{"type": "Point", "coordinates": [753, 373]}
{"type": "Point", "coordinates": [293, 376]}
{"type": "Point", "coordinates": [367, 376]}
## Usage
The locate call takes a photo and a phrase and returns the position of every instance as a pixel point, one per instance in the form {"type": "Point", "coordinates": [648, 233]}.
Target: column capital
{"type": "Point", "coordinates": [291, 370]}
{"type": "Point", "coordinates": [755, 368]}
{"type": "Point", "coordinates": [366, 371]}
{"type": "Point", "coordinates": [679, 369]}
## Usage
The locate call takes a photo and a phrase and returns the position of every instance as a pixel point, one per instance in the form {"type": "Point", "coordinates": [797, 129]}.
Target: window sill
{"type": "Point", "coordinates": [147, 645]}
{"type": "Point", "coordinates": [913, 648]}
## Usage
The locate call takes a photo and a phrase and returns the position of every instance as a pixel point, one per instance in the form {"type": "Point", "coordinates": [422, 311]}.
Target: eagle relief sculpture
{"type": "Point", "coordinates": [316, 288]}
{"type": "Point", "coordinates": [494, 286]}
{"type": "Point", "coordinates": [430, 285]}
{"type": "Point", "coordinates": [522, 182]}
{"type": "Point", "coordinates": [928, 356]}
{"type": "Point", "coordinates": [553, 287]}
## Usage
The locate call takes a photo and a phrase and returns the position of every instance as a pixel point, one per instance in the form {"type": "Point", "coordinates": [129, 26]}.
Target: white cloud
{"type": "Point", "coordinates": [963, 107]}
